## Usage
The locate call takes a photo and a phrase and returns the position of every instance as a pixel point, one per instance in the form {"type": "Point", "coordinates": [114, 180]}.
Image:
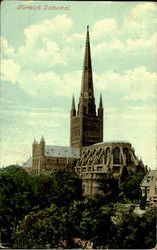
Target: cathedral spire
{"type": "Point", "coordinates": [87, 79]}
{"type": "Point", "coordinates": [87, 100]}
{"type": "Point", "coordinates": [86, 127]}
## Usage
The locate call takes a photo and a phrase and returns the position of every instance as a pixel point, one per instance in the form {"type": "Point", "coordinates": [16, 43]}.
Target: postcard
{"type": "Point", "coordinates": [78, 124]}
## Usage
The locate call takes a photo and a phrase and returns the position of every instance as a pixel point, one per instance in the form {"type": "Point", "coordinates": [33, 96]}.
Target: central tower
{"type": "Point", "coordinates": [86, 125]}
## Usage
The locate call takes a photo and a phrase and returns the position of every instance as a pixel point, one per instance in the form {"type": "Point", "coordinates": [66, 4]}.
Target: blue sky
{"type": "Point", "coordinates": [42, 58]}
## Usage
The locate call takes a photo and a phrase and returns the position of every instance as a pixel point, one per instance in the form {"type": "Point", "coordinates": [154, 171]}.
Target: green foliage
{"type": "Point", "coordinates": [95, 224]}
{"type": "Point", "coordinates": [48, 211]}
{"type": "Point", "coordinates": [147, 228]}
{"type": "Point", "coordinates": [21, 193]}
{"type": "Point", "coordinates": [121, 210]}
{"type": "Point", "coordinates": [143, 202]}
{"type": "Point", "coordinates": [130, 186]}
{"type": "Point", "coordinates": [48, 228]}
{"type": "Point", "coordinates": [61, 188]}
{"type": "Point", "coordinates": [106, 226]}
{"type": "Point", "coordinates": [125, 189]}
{"type": "Point", "coordinates": [110, 188]}
{"type": "Point", "coordinates": [17, 197]}
{"type": "Point", "coordinates": [136, 232]}
{"type": "Point", "coordinates": [124, 175]}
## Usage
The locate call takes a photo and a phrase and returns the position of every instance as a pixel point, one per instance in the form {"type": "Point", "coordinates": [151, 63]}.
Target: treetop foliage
{"type": "Point", "coordinates": [49, 211]}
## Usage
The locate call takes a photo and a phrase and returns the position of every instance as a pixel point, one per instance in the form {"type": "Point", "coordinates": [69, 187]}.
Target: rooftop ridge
{"type": "Point", "coordinates": [112, 141]}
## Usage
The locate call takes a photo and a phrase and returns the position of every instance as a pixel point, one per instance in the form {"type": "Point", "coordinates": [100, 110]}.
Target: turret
{"type": "Point", "coordinates": [34, 147]}
{"type": "Point", "coordinates": [34, 142]}
{"type": "Point", "coordinates": [42, 146]}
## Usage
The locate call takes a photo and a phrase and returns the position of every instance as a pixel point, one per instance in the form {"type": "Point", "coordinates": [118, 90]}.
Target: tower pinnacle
{"type": "Point", "coordinates": [73, 103]}
{"type": "Point", "coordinates": [100, 109]}
{"type": "Point", "coordinates": [100, 103]}
{"type": "Point", "coordinates": [42, 139]}
{"type": "Point", "coordinates": [73, 110]}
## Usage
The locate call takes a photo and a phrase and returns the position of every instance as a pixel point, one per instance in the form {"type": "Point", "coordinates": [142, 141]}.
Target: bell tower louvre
{"type": "Point", "coordinates": [86, 125]}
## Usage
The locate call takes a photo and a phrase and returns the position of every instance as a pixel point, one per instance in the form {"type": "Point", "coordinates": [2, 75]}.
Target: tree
{"type": "Point", "coordinates": [130, 186]}
{"type": "Point", "coordinates": [124, 175]}
{"type": "Point", "coordinates": [135, 232]}
{"type": "Point", "coordinates": [52, 227]}
{"type": "Point", "coordinates": [110, 188]}
{"type": "Point", "coordinates": [60, 188]}
{"type": "Point", "coordinates": [143, 202]}
{"type": "Point", "coordinates": [96, 224]}
{"type": "Point", "coordinates": [17, 197]}
{"type": "Point", "coordinates": [21, 193]}
{"type": "Point", "coordinates": [147, 229]}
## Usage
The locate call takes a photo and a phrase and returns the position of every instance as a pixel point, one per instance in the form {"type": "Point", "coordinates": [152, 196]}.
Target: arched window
{"type": "Point", "coordinates": [128, 156]}
{"type": "Point", "coordinates": [107, 154]}
{"type": "Point", "coordinates": [116, 156]}
{"type": "Point", "coordinates": [99, 151]}
{"type": "Point", "coordinates": [101, 160]}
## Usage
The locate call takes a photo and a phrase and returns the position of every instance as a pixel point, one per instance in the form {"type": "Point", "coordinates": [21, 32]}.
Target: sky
{"type": "Point", "coordinates": [42, 60]}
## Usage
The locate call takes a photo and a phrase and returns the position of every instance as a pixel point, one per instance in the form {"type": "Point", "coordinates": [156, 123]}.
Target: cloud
{"type": "Point", "coordinates": [139, 45]}
{"type": "Point", "coordinates": [26, 123]}
{"type": "Point", "coordinates": [137, 84]}
{"type": "Point", "coordinates": [105, 29]}
{"type": "Point", "coordinates": [44, 49]}
{"type": "Point", "coordinates": [50, 83]}
{"type": "Point", "coordinates": [43, 46]}
{"type": "Point", "coordinates": [6, 50]}
{"type": "Point", "coordinates": [144, 9]}
{"type": "Point", "coordinates": [75, 37]}
{"type": "Point", "coordinates": [58, 25]}
{"type": "Point", "coordinates": [129, 47]}
{"type": "Point", "coordinates": [32, 66]}
{"type": "Point", "coordinates": [141, 20]}
{"type": "Point", "coordinates": [10, 70]}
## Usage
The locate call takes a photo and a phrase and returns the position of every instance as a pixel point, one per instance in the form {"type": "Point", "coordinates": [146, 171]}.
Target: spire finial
{"type": "Point", "coordinates": [87, 28]}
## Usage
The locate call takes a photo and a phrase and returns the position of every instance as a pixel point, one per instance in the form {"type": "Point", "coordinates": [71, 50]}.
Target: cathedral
{"type": "Point", "coordinates": [90, 157]}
